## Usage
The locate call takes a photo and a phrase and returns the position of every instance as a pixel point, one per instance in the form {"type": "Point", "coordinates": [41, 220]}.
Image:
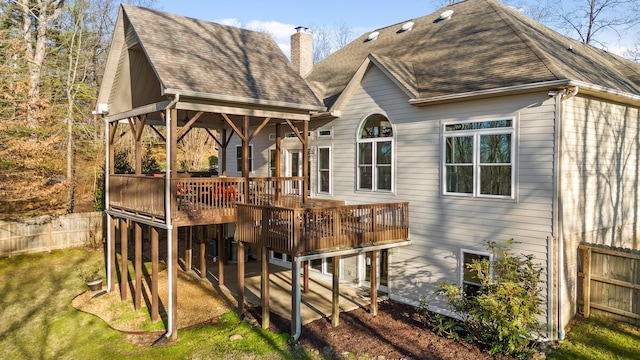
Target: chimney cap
{"type": "Point", "coordinates": [302, 29]}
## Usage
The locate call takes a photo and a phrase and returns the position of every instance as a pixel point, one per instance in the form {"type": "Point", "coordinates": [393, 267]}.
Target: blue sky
{"type": "Point", "coordinates": [280, 17]}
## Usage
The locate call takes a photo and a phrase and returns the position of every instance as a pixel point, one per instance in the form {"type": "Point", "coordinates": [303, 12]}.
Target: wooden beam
{"type": "Point", "coordinates": [586, 283]}
{"type": "Point", "coordinates": [158, 132]}
{"type": "Point", "coordinates": [140, 126]}
{"type": "Point", "coordinates": [305, 277]}
{"type": "Point", "coordinates": [244, 111]}
{"type": "Point", "coordinates": [305, 162]}
{"type": "Point", "coordinates": [187, 127]}
{"type": "Point", "coordinates": [264, 287]}
{"type": "Point", "coordinates": [146, 109]}
{"type": "Point", "coordinates": [373, 308]}
{"type": "Point", "coordinates": [138, 150]}
{"type": "Point", "coordinates": [112, 132]}
{"type": "Point", "coordinates": [246, 170]}
{"type": "Point", "coordinates": [259, 128]}
{"type": "Point", "coordinates": [183, 134]}
{"type": "Point", "coordinates": [112, 250]}
{"type": "Point", "coordinates": [278, 161]}
{"type": "Point", "coordinates": [124, 266]}
{"type": "Point", "coordinates": [137, 301]}
{"type": "Point", "coordinates": [233, 126]}
{"type": "Point", "coordinates": [335, 307]}
{"type": "Point", "coordinates": [240, 278]}
{"type": "Point", "coordinates": [155, 304]}
{"type": "Point", "coordinates": [295, 130]}
{"type": "Point", "coordinates": [214, 137]}
{"type": "Point", "coordinates": [222, 155]}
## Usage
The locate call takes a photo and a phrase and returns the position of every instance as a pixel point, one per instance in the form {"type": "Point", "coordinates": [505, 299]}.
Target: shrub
{"type": "Point", "coordinates": [502, 314]}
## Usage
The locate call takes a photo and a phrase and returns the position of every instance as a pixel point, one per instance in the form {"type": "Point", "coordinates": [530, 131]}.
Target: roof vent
{"type": "Point", "coordinates": [406, 26]}
{"type": "Point", "coordinates": [445, 15]}
{"type": "Point", "coordinates": [373, 36]}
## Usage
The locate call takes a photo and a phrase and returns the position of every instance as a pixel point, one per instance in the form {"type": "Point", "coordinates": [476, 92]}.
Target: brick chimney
{"type": "Point", "coordinates": [302, 51]}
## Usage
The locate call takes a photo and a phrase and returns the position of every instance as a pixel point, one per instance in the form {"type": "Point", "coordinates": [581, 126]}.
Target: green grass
{"type": "Point", "coordinates": [38, 321]}
{"type": "Point", "coordinates": [599, 339]}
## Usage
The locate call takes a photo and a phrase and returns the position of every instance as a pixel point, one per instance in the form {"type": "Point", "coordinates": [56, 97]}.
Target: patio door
{"type": "Point", "coordinates": [383, 270]}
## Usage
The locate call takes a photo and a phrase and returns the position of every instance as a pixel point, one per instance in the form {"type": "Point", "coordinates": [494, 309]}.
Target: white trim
{"type": "Point", "coordinates": [476, 165]}
{"type": "Point", "coordinates": [326, 135]}
{"type": "Point", "coordinates": [461, 265]}
{"type": "Point", "coordinates": [374, 164]}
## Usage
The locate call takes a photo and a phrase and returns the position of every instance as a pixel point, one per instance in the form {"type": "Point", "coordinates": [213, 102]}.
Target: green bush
{"type": "Point", "coordinates": [502, 314]}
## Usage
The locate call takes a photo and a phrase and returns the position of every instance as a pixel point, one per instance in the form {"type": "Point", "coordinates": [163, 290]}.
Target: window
{"type": "Point", "coordinates": [239, 158]}
{"type": "Point", "coordinates": [324, 170]}
{"type": "Point", "coordinates": [375, 154]}
{"type": "Point", "coordinates": [324, 133]}
{"type": "Point", "coordinates": [470, 279]}
{"type": "Point", "coordinates": [478, 158]}
{"type": "Point", "coordinates": [272, 162]}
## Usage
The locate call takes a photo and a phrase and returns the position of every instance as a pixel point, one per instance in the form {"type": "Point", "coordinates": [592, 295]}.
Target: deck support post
{"type": "Point", "coordinates": [295, 298]}
{"type": "Point", "coordinates": [278, 163]}
{"type": "Point", "coordinates": [137, 301]}
{"type": "Point", "coordinates": [373, 308]}
{"type": "Point", "coordinates": [154, 275]}
{"type": "Point", "coordinates": [335, 303]}
{"type": "Point", "coordinates": [305, 277]}
{"type": "Point", "coordinates": [240, 278]}
{"type": "Point", "coordinates": [305, 161]}
{"type": "Point", "coordinates": [203, 251]}
{"type": "Point", "coordinates": [124, 257]}
{"type": "Point", "coordinates": [188, 252]}
{"type": "Point", "coordinates": [221, 254]}
{"type": "Point", "coordinates": [264, 286]}
{"type": "Point", "coordinates": [173, 288]}
{"type": "Point", "coordinates": [111, 276]}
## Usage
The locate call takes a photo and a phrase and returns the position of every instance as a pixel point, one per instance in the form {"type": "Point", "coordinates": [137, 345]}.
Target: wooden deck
{"type": "Point", "coordinates": [302, 231]}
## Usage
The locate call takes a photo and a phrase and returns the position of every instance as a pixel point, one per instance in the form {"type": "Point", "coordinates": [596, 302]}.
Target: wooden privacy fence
{"type": "Point", "coordinates": [610, 282]}
{"type": "Point", "coordinates": [46, 233]}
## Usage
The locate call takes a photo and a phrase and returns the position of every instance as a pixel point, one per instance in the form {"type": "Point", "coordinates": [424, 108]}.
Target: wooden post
{"type": "Point", "coordinates": [305, 161]}
{"type": "Point", "coordinates": [305, 277]}
{"type": "Point", "coordinates": [173, 290]}
{"type": "Point", "coordinates": [154, 275]}
{"type": "Point", "coordinates": [188, 252]}
{"type": "Point", "coordinates": [335, 318]}
{"type": "Point", "coordinates": [124, 267]}
{"type": "Point", "coordinates": [373, 308]}
{"type": "Point", "coordinates": [112, 240]}
{"type": "Point", "coordinates": [264, 286]}
{"type": "Point", "coordinates": [222, 254]}
{"type": "Point", "coordinates": [222, 159]}
{"type": "Point", "coordinates": [240, 278]}
{"type": "Point", "coordinates": [138, 265]}
{"type": "Point", "coordinates": [245, 156]}
{"type": "Point", "coordinates": [586, 286]}
{"type": "Point", "coordinates": [203, 251]}
{"type": "Point", "coordinates": [278, 161]}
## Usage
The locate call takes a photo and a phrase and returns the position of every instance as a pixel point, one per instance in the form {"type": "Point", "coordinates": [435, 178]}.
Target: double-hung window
{"type": "Point", "coordinates": [239, 158]}
{"type": "Point", "coordinates": [375, 154]}
{"type": "Point", "coordinates": [478, 158]}
{"type": "Point", "coordinates": [324, 169]}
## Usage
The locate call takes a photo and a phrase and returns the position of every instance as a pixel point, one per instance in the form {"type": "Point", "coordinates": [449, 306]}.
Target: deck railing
{"type": "Point", "coordinates": [299, 231]}
{"type": "Point", "coordinates": [198, 197]}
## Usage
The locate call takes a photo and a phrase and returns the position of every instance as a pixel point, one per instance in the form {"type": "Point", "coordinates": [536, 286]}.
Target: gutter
{"type": "Point", "coordinates": [243, 100]}
{"type": "Point", "coordinates": [617, 95]}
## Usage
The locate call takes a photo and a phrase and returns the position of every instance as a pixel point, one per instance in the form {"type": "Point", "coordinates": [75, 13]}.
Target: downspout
{"type": "Point", "coordinates": [559, 233]}
{"type": "Point", "coordinates": [167, 211]}
{"type": "Point", "coordinates": [106, 202]}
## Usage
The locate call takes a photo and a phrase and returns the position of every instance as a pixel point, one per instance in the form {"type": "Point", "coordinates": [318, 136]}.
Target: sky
{"type": "Point", "coordinates": [280, 17]}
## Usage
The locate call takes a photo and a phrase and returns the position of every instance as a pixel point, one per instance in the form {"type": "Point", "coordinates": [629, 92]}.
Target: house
{"type": "Point", "coordinates": [489, 125]}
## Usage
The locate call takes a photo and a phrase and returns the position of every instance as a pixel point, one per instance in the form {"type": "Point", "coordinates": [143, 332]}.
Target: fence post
{"type": "Point", "coordinates": [10, 239]}
{"type": "Point", "coordinates": [586, 293]}
{"type": "Point", "coordinates": [49, 235]}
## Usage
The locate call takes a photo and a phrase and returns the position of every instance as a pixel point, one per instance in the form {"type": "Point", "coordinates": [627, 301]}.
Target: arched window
{"type": "Point", "coordinates": [375, 154]}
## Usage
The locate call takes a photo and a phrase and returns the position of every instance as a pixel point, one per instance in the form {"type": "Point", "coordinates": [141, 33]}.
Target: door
{"type": "Point", "coordinates": [383, 270]}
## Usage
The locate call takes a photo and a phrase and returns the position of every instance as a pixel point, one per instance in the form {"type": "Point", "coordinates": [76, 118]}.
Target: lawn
{"type": "Point", "coordinates": [38, 321]}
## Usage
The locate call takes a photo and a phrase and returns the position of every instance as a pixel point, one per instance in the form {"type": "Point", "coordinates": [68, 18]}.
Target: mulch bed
{"type": "Point", "coordinates": [395, 333]}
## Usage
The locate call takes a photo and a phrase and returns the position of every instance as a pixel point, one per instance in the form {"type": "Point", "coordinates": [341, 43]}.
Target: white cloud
{"type": "Point", "coordinates": [278, 30]}
{"type": "Point", "coordinates": [229, 22]}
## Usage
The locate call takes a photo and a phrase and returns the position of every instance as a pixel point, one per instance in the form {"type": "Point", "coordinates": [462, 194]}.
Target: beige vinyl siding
{"type": "Point", "coordinates": [600, 177]}
{"type": "Point", "coordinates": [440, 226]}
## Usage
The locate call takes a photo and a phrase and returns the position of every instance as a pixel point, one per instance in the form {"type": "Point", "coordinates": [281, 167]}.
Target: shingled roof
{"type": "Point", "coordinates": [200, 57]}
{"type": "Point", "coordinates": [485, 45]}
